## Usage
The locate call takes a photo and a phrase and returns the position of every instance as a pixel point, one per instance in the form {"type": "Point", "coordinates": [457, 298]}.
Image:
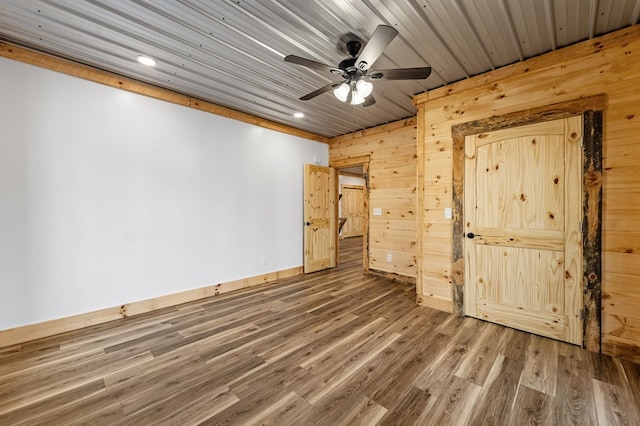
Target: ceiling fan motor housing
{"type": "Point", "coordinates": [353, 47]}
{"type": "Point", "coordinates": [349, 65]}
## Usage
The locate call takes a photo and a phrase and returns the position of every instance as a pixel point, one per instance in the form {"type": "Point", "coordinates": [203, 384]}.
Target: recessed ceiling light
{"type": "Point", "coordinates": [298, 114]}
{"type": "Point", "coordinates": [145, 60]}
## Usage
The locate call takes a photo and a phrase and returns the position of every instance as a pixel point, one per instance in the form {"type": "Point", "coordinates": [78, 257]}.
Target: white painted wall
{"type": "Point", "coordinates": [107, 197]}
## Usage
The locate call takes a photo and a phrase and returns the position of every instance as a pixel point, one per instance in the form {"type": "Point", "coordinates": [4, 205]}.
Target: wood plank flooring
{"type": "Point", "coordinates": [331, 348]}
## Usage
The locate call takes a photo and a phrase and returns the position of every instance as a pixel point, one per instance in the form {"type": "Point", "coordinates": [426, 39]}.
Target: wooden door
{"type": "Point", "coordinates": [352, 203]}
{"type": "Point", "coordinates": [522, 214]}
{"type": "Point", "coordinates": [320, 216]}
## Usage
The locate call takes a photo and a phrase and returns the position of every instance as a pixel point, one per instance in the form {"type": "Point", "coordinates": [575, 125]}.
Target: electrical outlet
{"type": "Point", "coordinates": [263, 260]}
{"type": "Point", "coordinates": [377, 211]}
{"type": "Point", "coordinates": [447, 213]}
{"type": "Point", "coordinates": [389, 257]}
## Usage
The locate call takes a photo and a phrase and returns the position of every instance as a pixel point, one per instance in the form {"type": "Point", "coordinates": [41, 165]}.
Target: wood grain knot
{"type": "Point", "coordinates": [630, 116]}
{"type": "Point", "coordinates": [523, 197]}
{"type": "Point", "coordinates": [556, 180]}
{"type": "Point", "coordinates": [592, 276]}
{"type": "Point", "coordinates": [592, 180]}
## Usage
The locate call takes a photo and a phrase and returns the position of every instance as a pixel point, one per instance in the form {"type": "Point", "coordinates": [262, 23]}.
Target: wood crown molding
{"type": "Point", "coordinates": [384, 128]}
{"type": "Point", "coordinates": [53, 63]}
{"type": "Point", "coordinates": [533, 65]}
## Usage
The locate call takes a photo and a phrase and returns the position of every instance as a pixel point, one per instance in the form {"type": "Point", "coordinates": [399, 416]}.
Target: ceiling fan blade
{"type": "Point", "coordinates": [318, 66]}
{"type": "Point", "coordinates": [369, 100]}
{"type": "Point", "coordinates": [401, 74]}
{"type": "Point", "coordinates": [321, 90]}
{"type": "Point", "coordinates": [382, 36]}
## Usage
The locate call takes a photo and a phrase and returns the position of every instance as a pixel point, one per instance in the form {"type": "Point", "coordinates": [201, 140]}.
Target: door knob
{"type": "Point", "coordinates": [307, 223]}
{"type": "Point", "coordinates": [471, 235]}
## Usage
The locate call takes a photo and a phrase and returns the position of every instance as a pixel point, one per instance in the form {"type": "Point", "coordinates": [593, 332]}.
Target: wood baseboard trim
{"type": "Point", "coordinates": [435, 302]}
{"type": "Point", "coordinates": [21, 334]}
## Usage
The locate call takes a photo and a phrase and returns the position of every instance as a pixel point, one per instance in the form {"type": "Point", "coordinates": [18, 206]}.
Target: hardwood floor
{"type": "Point", "coordinates": [330, 348]}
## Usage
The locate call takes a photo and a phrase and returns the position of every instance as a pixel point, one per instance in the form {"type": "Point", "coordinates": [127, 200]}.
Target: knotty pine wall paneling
{"type": "Point", "coordinates": [608, 65]}
{"type": "Point", "coordinates": [391, 149]}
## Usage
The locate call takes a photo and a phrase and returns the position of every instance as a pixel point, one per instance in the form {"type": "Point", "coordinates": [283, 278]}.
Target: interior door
{"type": "Point", "coordinates": [522, 214]}
{"type": "Point", "coordinates": [320, 216]}
{"type": "Point", "coordinates": [352, 203]}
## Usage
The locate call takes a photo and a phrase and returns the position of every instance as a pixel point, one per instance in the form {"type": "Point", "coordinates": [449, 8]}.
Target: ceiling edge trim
{"type": "Point", "coordinates": [394, 125]}
{"type": "Point", "coordinates": [534, 64]}
{"type": "Point", "coordinates": [75, 69]}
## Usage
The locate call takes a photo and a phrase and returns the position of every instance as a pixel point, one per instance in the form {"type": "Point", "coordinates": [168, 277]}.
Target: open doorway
{"type": "Point", "coordinates": [353, 213]}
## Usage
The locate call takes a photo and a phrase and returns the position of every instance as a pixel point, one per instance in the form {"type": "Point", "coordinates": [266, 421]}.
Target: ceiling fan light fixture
{"type": "Point", "coordinates": [342, 92]}
{"type": "Point", "coordinates": [364, 88]}
{"type": "Point", "coordinates": [358, 90]}
{"type": "Point", "coordinates": [356, 98]}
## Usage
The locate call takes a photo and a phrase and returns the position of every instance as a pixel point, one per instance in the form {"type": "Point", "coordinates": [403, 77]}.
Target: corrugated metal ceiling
{"type": "Point", "coordinates": [231, 52]}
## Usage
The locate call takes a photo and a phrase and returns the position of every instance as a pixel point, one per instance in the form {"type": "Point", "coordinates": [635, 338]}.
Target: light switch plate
{"type": "Point", "coordinates": [377, 211]}
{"type": "Point", "coordinates": [447, 213]}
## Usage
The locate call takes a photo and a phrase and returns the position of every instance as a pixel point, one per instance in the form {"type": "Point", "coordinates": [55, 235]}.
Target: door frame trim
{"type": "Point", "coordinates": [363, 160]}
{"type": "Point", "coordinates": [591, 110]}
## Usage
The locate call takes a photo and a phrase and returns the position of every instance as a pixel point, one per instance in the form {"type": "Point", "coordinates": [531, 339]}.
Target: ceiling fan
{"type": "Point", "coordinates": [356, 87]}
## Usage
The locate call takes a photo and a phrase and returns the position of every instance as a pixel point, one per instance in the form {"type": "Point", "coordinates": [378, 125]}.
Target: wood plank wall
{"type": "Point", "coordinates": [610, 65]}
{"type": "Point", "coordinates": [391, 150]}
